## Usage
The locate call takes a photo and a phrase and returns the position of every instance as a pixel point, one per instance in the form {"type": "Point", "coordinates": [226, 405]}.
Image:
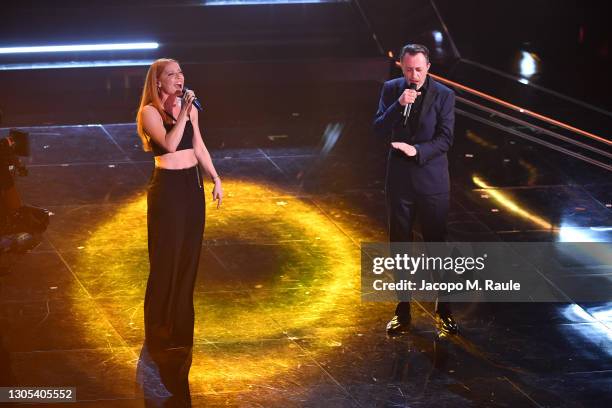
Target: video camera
{"type": "Point", "coordinates": [16, 144]}
{"type": "Point", "coordinates": [21, 226]}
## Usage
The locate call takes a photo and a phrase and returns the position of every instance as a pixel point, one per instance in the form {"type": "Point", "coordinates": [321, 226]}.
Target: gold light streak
{"type": "Point", "coordinates": [532, 172]}
{"type": "Point", "coordinates": [244, 334]}
{"type": "Point", "coordinates": [509, 204]}
{"type": "Point", "coordinates": [471, 135]}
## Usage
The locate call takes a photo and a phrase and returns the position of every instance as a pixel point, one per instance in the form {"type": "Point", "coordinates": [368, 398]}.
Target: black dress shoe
{"type": "Point", "coordinates": [446, 324]}
{"type": "Point", "coordinates": [397, 326]}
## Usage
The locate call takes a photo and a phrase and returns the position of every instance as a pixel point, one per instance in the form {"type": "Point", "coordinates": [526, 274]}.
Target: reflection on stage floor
{"type": "Point", "coordinates": [279, 320]}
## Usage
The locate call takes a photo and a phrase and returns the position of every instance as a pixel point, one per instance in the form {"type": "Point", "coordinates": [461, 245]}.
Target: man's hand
{"type": "Point", "coordinates": [409, 150]}
{"type": "Point", "coordinates": [409, 96]}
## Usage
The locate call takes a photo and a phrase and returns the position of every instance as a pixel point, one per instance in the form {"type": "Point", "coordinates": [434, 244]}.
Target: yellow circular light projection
{"type": "Point", "coordinates": [244, 327]}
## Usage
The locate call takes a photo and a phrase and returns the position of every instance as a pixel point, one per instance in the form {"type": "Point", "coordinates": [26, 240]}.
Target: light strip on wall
{"type": "Point", "coordinates": [256, 2]}
{"type": "Point", "coordinates": [75, 64]}
{"type": "Point", "coordinates": [80, 48]}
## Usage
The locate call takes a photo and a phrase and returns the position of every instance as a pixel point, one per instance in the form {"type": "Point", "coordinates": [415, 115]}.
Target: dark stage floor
{"type": "Point", "coordinates": [279, 322]}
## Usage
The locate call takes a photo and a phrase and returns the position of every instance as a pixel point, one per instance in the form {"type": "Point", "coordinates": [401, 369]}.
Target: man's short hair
{"type": "Point", "coordinates": [414, 49]}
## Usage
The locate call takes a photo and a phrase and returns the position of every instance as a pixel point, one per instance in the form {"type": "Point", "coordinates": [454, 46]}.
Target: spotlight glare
{"type": "Point", "coordinates": [528, 64]}
{"type": "Point", "coordinates": [437, 37]}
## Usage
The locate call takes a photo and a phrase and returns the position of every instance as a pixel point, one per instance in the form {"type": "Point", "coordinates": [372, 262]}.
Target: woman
{"type": "Point", "coordinates": [168, 126]}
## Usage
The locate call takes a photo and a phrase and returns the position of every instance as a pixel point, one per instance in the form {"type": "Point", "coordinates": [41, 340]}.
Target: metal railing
{"type": "Point", "coordinates": [601, 149]}
{"type": "Point", "coordinates": [522, 110]}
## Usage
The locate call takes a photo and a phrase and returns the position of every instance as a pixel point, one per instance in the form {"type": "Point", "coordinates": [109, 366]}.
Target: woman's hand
{"type": "Point", "coordinates": [217, 193]}
{"type": "Point", "coordinates": [188, 99]}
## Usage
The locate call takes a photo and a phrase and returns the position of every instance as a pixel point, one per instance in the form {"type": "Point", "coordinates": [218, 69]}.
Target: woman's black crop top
{"type": "Point", "coordinates": [185, 143]}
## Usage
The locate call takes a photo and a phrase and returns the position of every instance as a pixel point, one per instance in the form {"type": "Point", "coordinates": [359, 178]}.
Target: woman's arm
{"type": "Point", "coordinates": [204, 159]}
{"type": "Point", "coordinates": [154, 126]}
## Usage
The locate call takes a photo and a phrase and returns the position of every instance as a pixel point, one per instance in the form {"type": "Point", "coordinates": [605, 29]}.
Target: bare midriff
{"type": "Point", "coordinates": [183, 159]}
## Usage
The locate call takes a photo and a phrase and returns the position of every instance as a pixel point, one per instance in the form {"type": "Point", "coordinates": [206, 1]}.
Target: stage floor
{"type": "Point", "coordinates": [279, 322]}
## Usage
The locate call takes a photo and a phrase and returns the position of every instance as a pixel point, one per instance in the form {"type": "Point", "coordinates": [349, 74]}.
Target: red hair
{"type": "Point", "coordinates": [150, 96]}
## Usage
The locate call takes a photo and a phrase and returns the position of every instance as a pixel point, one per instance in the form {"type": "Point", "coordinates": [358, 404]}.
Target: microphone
{"type": "Point", "coordinates": [408, 106]}
{"type": "Point", "coordinates": [196, 101]}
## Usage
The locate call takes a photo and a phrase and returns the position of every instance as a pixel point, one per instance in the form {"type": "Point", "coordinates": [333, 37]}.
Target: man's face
{"type": "Point", "coordinates": [415, 68]}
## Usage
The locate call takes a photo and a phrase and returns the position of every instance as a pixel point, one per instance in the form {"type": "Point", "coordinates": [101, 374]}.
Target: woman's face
{"type": "Point", "coordinates": [171, 80]}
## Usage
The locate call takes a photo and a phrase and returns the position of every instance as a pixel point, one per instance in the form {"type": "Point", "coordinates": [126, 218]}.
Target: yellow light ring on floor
{"type": "Point", "coordinates": [113, 267]}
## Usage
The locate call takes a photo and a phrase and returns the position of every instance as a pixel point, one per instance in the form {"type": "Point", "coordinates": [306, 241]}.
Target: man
{"type": "Point", "coordinates": [417, 180]}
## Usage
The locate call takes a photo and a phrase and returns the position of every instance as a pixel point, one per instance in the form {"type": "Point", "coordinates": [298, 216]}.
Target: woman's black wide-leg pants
{"type": "Point", "coordinates": [175, 221]}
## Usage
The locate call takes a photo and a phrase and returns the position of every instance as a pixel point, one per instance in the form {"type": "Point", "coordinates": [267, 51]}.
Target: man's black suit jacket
{"type": "Point", "coordinates": [428, 172]}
